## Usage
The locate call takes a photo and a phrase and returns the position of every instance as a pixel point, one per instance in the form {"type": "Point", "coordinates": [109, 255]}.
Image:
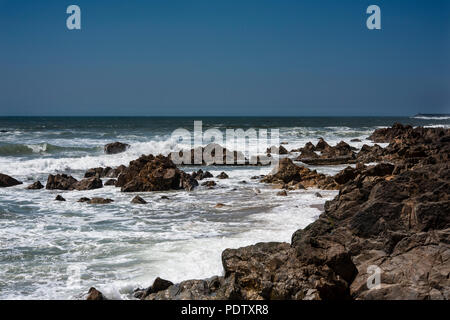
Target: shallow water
{"type": "Point", "coordinates": [57, 250]}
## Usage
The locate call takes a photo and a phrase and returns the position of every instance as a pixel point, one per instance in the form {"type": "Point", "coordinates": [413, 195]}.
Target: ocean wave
{"type": "Point", "coordinates": [11, 149]}
{"type": "Point", "coordinates": [432, 117]}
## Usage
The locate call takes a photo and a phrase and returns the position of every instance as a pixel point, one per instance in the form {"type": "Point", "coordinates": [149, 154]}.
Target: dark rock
{"type": "Point", "coordinates": [165, 197]}
{"type": "Point", "coordinates": [355, 140]}
{"type": "Point", "coordinates": [89, 184]}
{"type": "Point", "coordinates": [150, 173]}
{"type": "Point", "coordinates": [94, 294]}
{"type": "Point", "coordinates": [157, 286]}
{"type": "Point", "coordinates": [7, 181]}
{"type": "Point", "coordinates": [389, 134]}
{"type": "Point", "coordinates": [59, 198]}
{"type": "Point", "coordinates": [210, 183]}
{"type": "Point", "coordinates": [111, 182]}
{"type": "Point", "coordinates": [200, 175]}
{"type": "Point", "coordinates": [138, 200]}
{"type": "Point", "coordinates": [84, 199]}
{"type": "Point", "coordinates": [61, 182]}
{"type": "Point", "coordinates": [318, 195]}
{"type": "Point", "coordinates": [282, 193]}
{"type": "Point", "coordinates": [277, 150]}
{"type": "Point", "coordinates": [35, 186]}
{"type": "Point", "coordinates": [116, 147]}
{"type": "Point", "coordinates": [99, 201]}
{"type": "Point", "coordinates": [222, 175]}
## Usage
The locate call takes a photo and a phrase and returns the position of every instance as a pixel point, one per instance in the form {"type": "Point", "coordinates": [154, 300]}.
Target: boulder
{"type": "Point", "coordinates": [59, 198]}
{"type": "Point", "coordinates": [7, 181]}
{"type": "Point", "coordinates": [200, 175]}
{"type": "Point", "coordinates": [111, 182]}
{"type": "Point", "coordinates": [61, 182]}
{"type": "Point", "coordinates": [94, 294]}
{"type": "Point", "coordinates": [115, 147]}
{"type": "Point", "coordinates": [89, 184]}
{"type": "Point", "coordinates": [35, 186]}
{"type": "Point", "coordinates": [209, 184]}
{"type": "Point", "coordinates": [138, 200]}
{"type": "Point", "coordinates": [222, 175]}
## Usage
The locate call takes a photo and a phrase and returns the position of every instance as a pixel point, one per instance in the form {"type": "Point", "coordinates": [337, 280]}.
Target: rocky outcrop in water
{"type": "Point", "coordinates": [391, 218]}
{"type": "Point", "coordinates": [116, 147]}
{"type": "Point", "coordinates": [342, 153]}
{"type": "Point", "coordinates": [150, 173]}
{"type": "Point", "coordinates": [94, 294]}
{"type": "Point", "coordinates": [289, 173]}
{"type": "Point", "coordinates": [66, 182]}
{"type": "Point", "coordinates": [7, 181]}
{"type": "Point", "coordinates": [200, 174]}
{"type": "Point", "coordinates": [35, 186]}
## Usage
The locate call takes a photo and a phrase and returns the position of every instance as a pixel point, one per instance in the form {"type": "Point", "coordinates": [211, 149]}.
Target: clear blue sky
{"type": "Point", "coordinates": [230, 57]}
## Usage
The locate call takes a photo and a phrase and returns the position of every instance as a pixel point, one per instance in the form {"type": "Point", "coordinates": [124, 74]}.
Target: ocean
{"type": "Point", "coordinates": [58, 250]}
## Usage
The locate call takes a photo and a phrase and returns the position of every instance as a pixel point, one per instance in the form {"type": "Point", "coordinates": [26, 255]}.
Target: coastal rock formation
{"type": "Point", "coordinates": [386, 135]}
{"type": "Point", "coordinates": [215, 154]}
{"type": "Point", "coordinates": [342, 153]}
{"type": "Point", "coordinates": [200, 175]}
{"type": "Point", "coordinates": [66, 182]}
{"type": "Point", "coordinates": [60, 182]}
{"type": "Point", "coordinates": [7, 181]}
{"type": "Point", "coordinates": [116, 147]}
{"type": "Point", "coordinates": [99, 201]}
{"type": "Point", "coordinates": [391, 217]}
{"type": "Point", "coordinates": [277, 150]}
{"type": "Point", "coordinates": [150, 173]}
{"type": "Point", "coordinates": [59, 198]}
{"type": "Point", "coordinates": [287, 172]}
{"type": "Point", "coordinates": [111, 182]}
{"type": "Point", "coordinates": [35, 186]}
{"type": "Point", "coordinates": [101, 172]}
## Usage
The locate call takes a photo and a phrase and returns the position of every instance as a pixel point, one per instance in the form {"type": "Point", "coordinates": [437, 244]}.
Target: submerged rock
{"type": "Point", "coordinates": [111, 182]}
{"type": "Point", "coordinates": [59, 198]}
{"type": "Point", "coordinates": [222, 175]}
{"type": "Point", "coordinates": [100, 201]}
{"type": "Point", "coordinates": [138, 200]}
{"type": "Point", "coordinates": [35, 186]}
{"type": "Point", "coordinates": [200, 175]}
{"type": "Point", "coordinates": [7, 181]}
{"type": "Point", "coordinates": [115, 147]}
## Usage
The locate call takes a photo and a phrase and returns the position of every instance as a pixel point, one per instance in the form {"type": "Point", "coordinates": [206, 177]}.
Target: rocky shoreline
{"type": "Point", "coordinates": [392, 215]}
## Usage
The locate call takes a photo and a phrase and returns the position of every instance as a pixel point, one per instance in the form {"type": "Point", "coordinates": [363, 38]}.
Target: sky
{"type": "Point", "coordinates": [231, 58]}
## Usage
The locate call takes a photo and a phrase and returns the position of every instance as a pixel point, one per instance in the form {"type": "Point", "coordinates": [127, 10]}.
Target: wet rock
{"type": "Point", "coordinates": [111, 182]}
{"type": "Point", "coordinates": [342, 153]}
{"type": "Point", "coordinates": [7, 181]}
{"type": "Point", "coordinates": [277, 150]}
{"type": "Point", "coordinates": [150, 173]}
{"type": "Point", "coordinates": [385, 135]}
{"type": "Point", "coordinates": [88, 184]}
{"type": "Point", "coordinates": [98, 200]}
{"type": "Point", "coordinates": [35, 186]}
{"type": "Point", "coordinates": [355, 140]}
{"type": "Point", "coordinates": [209, 184]}
{"type": "Point", "coordinates": [287, 171]}
{"type": "Point", "coordinates": [370, 153]}
{"type": "Point", "coordinates": [59, 198]}
{"type": "Point", "coordinates": [222, 175]}
{"type": "Point", "coordinates": [200, 175]}
{"type": "Point", "coordinates": [219, 205]}
{"type": "Point", "coordinates": [116, 147]}
{"type": "Point", "coordinates": [61, 182]}
{"type": "Point", "coordinates": [83, 199]}
{"type": "Point", "coordinates": [165, 197]}
{"type": "Point", "coordinates": [318, 195]}
{"type": "Point", "coordinates": [138, 200]}
{"type": "Point", "coordinates": [282, 193]}
{"type": "Point", "coordinates": [157, 286]}
{"type": "Point", "coordinates": [94, 294]}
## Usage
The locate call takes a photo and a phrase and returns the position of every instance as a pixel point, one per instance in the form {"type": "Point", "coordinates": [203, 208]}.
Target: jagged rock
{"type": "Point", "coordinates": [35, 186]}
{"type": "Point", "coordinates": [59, 198]}
{"type": "Point", "coordinates": [200, 175]}
{"type": "Point", "coordinates": [138, 200]}
{"type": "Point", "coordinates": [318, 195]}
{"type": "Point", "coordinates": [61, 182]}
{"type": "Point", "coordinates": [388, 134]}
{"type": "Point", "coordinates": [277, 150]}
{"type": "Point", "coordinates": [394, 217]}
{"type": "Point", "coordinates": [342, 153]}
{"type": "Point", "coordinates": [116, 147]}
{"type": "Point", "coordinates": [282, 193]}
{"type": "Point", "coordinates": [88, 184]}
{"type": "Point", "coordinates": [94, 294]}
{"type": "Point", "coordinates": [222, 175]}
{"type": "Point", "coordinates": [287, 171]}
{"type": "Point", "coordinates": [97, 200]}
{"type": "Point", "coordinates": [150, 173]}
{"type": "Point", "coordinates": [101, 172]}
{"type": "Point", "coordinates": [7, 181]}
{"type": "Point", "coordinates": [158, 285]}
